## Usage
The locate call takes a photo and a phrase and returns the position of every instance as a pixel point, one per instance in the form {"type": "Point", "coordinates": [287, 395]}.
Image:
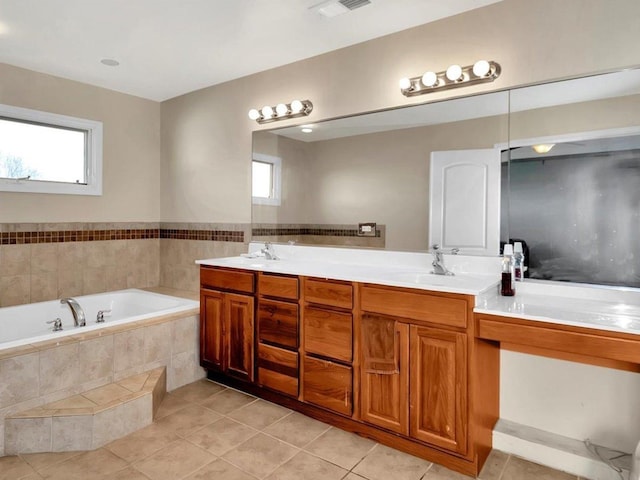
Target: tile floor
{"type": "Point", "coordinates": [205, 431]}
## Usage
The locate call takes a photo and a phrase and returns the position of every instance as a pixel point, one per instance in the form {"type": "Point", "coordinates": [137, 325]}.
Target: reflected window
{"type": "Point", "coordinates": [266, 179]}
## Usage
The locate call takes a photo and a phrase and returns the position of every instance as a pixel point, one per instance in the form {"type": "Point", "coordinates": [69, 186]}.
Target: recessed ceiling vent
{"type": "Point", "coordinates": [333, 8]}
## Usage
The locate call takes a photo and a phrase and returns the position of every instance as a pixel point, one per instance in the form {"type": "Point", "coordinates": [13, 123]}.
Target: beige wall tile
{"type": "Point", "coordinates": [184, 334]}
{"type": "Point", "coordinates": [16, 259]}
{"type": "Point", "coordinates": [71, 433]}
{"type": "Point", "coordinates": [59, 368]}
{"type": "Point", "coordinates": [93, 280]}
{"type": "Point", "coordinates": [117, 422]}
{"type": "Point", "coordinates": [27, 435]}
{"type": "Point", "coordinates": [44, 286]}
{"type": "Point", "coordinates": [44, 257]}
{"type": "Point", "coordinates": [15, 290]}
{"type": "Point", "coordinates": [136, 276]}
{"type": "Point", "coordinates": [18, 379]}
{"type": "Point", "coordinates": [70, 255]}
{"type": "Point", "coordinates": [181, 371]}
{"type": "Point", "coordinates": [128, 349]}
{"type": "Point", "coordinates": [157, 342]}
{"type": "Point", "coordinates": [70, 283]}
{"type": "Point", "coordinates": [96, 358]}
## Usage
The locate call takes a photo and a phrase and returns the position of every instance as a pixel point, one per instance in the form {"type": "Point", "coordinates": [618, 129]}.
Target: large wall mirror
{"type": "Point", "coordinates": [570, 177]}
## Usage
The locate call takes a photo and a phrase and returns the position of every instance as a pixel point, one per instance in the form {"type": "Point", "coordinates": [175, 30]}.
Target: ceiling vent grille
{"type": "Point", "coordinates": [353, 4]}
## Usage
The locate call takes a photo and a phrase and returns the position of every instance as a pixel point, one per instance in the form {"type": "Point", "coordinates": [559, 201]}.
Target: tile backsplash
{"type": "Point", "coordinates": [46, 261]}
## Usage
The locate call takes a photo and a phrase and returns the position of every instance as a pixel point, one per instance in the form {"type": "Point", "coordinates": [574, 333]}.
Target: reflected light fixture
{"type": "Point", "coordinates": [455, 76]}
{"type": "Point", "coordinates": [282, 111]}
{"type": "Point", "coordinates": [543, 147]}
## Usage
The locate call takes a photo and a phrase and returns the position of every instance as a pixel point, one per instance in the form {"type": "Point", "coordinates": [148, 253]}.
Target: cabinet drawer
{"type": "Point", "coordinates": [227, 279]}
{"type": "Point", "coordinates": [278, 323]}
{"type": "Point", "coordinates": [278, 286]}
{"type": "Point", "coordinates": [415, 305]}
{"type": "Point", "coordinates": [328, 333]}
{"type": "Point", "coordinates": [278, 369]}
{"type": "Point", "coordinates": [327, 385]}
{"type": "Point", "coordinates": [325, 292]}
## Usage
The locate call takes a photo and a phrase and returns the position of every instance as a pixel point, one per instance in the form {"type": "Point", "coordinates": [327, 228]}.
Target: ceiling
{"type": "Point", "coordinates": [170, 47]}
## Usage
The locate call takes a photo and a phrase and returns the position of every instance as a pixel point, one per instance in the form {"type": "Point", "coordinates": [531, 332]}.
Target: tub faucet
{"type": "Point", "coordinates": [269, 252]}
{"type": "Point", "coordinates": [76, 310]}
{"type": "Point", "coordinates": [438, 261]}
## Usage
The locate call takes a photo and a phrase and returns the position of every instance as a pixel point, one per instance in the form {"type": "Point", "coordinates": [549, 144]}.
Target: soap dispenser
{"type": "Point", "coordinates": [507, 287]}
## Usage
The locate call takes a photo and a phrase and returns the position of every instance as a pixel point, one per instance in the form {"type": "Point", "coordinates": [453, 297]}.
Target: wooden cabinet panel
{"type": "Point", "coordinates": [328, 385]}
{"type": "Point", "coordinates": [238, 313]}
{"type": "Point", "coordinates": [278, 369]}
{"type": "Point", "coordinates": [384, 398]}
{"type": "Point", "coordinates": [227, 280]}
{"type": "Point", "coordinates": [278, 323]}
{"type": "Point", "coordinates": [438, 410]}
{"type": "Point", "coordinates": [415, 305]}
{"type": "Point", "coordinates": [325, 292]}
{"type": "Point", "coordinates": [278, 286]}
{"type": "Point", "coordinates": [328, 333]}
{"type": "Point", "coordinates": [211, 330]}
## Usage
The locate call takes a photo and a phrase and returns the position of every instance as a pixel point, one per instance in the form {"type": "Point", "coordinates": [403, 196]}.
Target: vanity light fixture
{"type": "Point", "coordinates": [455, 76]}
{"type": "Point", "coordinates": [543, 147]}
{"type": "Point", "coordinates": [282, 111]}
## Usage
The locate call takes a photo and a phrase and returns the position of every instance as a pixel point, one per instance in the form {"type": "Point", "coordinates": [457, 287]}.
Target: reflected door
{"type": "Point", "coordinates": [465, 201]}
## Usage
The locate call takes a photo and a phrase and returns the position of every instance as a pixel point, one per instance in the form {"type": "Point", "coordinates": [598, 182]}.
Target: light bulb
{"type": "Point", "coordinates": [254, 114]}
{"type": "Point", "coordinates": [543, 147]}
{"type": "Point", "coordinates": [267, 111]}
{"type": "Point", "coordinates": [281, 109]}
{"type": "Point", "coordinates": [405, 83]}
{"type": "Point", "coordinates": [429, 79]}
{"type": "Point", "coordinates": [454, 73]}
{"type": "Point", "coordinates": [481, 68]}
{"type": "Point", "coordinates": [307, 130]}
{"type": "Point", "coordinates": [296, 106]}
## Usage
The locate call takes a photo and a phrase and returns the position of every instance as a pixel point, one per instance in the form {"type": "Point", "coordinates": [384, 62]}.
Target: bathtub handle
{"type": "Point", "coordinates": [101, 314]}
{"type": "Point", "coordinates": [57, 324]}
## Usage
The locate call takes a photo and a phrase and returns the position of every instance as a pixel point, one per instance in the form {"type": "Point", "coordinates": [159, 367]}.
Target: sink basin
{"type": "Point", "coordinates": [420, 278]}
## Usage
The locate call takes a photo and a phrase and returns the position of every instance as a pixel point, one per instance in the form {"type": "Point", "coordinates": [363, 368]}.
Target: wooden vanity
{"type": "Point", "coordinates": [423, 383]}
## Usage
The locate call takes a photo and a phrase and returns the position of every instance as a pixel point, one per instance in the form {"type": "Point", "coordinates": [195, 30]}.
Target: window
{"type": "Point", "coordinates": [48, 153]}
{"type": "Point", "coordinates": [266, 179]}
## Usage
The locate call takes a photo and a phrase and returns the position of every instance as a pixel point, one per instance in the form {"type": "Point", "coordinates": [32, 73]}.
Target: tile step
{"type": "Point", "coordinates": [88, 420]}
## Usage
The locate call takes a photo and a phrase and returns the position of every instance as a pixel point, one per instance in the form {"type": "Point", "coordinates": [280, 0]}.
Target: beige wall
{"type": "Point", "coordinates": [206, 135]}
{"type": "Point", "coordinates": [131, 155]}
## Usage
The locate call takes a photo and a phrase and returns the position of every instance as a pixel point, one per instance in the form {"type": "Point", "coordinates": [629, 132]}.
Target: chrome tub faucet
{"type": "Point", "coordinates": [79, 319]}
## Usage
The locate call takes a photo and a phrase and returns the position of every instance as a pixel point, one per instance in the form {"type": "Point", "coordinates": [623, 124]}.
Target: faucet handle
{"type": "Point", "coordinates": [455, 251]}
{"type": "Point", "coordinates": [435, 247]}
{"type": "Point", "coordinates": [57, 324]}
{"type": "Point", "coordinates": [101, 314]}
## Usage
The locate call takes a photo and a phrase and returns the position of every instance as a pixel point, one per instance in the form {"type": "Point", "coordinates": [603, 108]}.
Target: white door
{"type": "Point", "coordinates": [465, 201]}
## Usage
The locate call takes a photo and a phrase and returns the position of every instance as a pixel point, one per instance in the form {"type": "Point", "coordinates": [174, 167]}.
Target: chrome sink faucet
{"type": "Point", "coordinates": [76, 310]}
{"type": "Point", "coordinates": [438, 260]}
{"type": "Point", "coordinates": [269, 252]}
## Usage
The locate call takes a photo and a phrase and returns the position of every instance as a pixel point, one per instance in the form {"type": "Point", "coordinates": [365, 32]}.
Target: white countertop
{"type": "Point", "coordinates": [392, 275]}
{"type": "Point", "coordinates": [590, 306]}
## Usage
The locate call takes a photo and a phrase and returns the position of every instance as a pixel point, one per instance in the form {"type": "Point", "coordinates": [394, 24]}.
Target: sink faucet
{"type": "Point", "coordinates": [269, 252]}
{"type": "Point", "coordinates": [76, 310]}
{"type": "Point", "coordinates": [438, 261]}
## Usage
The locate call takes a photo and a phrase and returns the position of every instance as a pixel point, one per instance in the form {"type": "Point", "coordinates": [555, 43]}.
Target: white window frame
{"type": "Point", "coordinates": [93, 155]}
{"type": "Point", "coordinates": [275, 200]}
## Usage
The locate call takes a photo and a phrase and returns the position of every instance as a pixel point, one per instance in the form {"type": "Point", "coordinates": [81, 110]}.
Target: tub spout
{"type": "Point", "coordinates": [76, 310]}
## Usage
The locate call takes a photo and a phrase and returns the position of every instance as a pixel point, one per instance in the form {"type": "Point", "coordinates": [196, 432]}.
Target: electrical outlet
{"type": "Point", "coordinates": [367, 229]}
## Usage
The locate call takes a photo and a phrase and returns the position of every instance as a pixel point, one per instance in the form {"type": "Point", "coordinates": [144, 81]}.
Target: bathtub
{"type": "Point", "coordinates": [27, 324]}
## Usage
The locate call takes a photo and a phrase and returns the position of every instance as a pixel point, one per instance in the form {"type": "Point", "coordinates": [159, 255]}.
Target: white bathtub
{"type": "Point", "coordinates": [26, 324]}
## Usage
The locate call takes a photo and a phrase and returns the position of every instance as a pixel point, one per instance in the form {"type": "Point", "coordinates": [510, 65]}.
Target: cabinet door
{"type": "Point", "coordinates": [212, 330]}
{"type": "Point", "coordinates": [238, 313]}
{"type": "Point", "coordinates": [328, 385]}
{"type": "Point", "coordinates": [438, 410]}
{"type": "Point", "coordinates": [384, 398]}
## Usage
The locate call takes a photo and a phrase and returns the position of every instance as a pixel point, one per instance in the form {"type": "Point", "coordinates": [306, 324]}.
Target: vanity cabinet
{"type": "Point", "coordinates": [227, 322]}
{"type": "Point", "coordinates": [423, 393]}
{"type": "Point", "coordinates": [327, 344]}
{"type": "Point", "coordinates": [277, 331]}
{"type": "Point", "coordinates": [399, 365]}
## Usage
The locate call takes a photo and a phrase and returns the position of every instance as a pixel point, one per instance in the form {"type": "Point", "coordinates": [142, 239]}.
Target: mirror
{"type": "Point", "coordinates": [371, 169]}
{"type": "Point", "coordinates": [576, 202]}
{"type": "Point", "coordinates": [576, 206]}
